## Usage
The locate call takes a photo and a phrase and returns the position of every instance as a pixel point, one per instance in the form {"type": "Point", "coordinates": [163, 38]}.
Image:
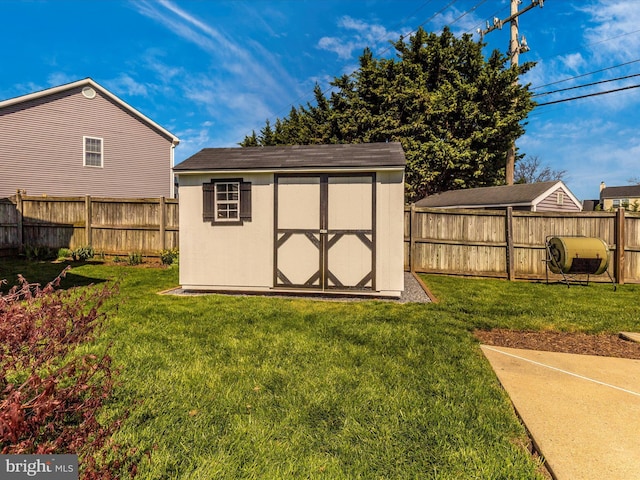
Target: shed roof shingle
{"type": "Point", "coordinates": [367, 155]}
{"type": "Point", "coordinates": [520, 194]}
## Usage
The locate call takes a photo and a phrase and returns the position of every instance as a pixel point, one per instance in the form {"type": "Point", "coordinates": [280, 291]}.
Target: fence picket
{"type": "Point", "coordinates": [114, 226]}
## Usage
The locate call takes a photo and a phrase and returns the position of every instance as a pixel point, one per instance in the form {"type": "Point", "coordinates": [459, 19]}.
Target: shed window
{"type": "Point", "coordinates": [93, 152]}
{"type": "Point", "coordinates": [227, 204]}
{"type": "Point", "coordinates": [227, 201]}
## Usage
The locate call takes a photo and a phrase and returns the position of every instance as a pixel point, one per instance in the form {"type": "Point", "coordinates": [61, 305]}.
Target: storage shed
{"type": "Point", "coordinates": [313, 218]}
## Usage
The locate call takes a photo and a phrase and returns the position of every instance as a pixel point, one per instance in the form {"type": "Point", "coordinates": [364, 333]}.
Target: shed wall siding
{"type": "Point", "coordinates": [240, 257]}
{"type": "Point", "coordinates": [390, 227]}
{"type": "Point", "coordinates": [226, 256]}
{"type": "Point", "coordinates": [41, 149]}
{"type": "Point", "coordinates": [549, 203]}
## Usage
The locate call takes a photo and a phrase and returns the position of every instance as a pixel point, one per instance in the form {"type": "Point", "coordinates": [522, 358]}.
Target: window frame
{"type": "Point", "coordinates": [228, 202]}
{"type": "Point", "coordinates": [211, 202]}
{"type": "Point", "coordinates": [620, 203]}
{"type": "Point", "coordinates": [85, 151]}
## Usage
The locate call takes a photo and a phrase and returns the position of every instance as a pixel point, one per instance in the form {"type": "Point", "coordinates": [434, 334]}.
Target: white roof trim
{"type": "Point", "coordinates": [88, 81]}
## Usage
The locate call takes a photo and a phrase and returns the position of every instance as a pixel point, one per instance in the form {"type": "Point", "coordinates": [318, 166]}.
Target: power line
{"type": "Point", "coordinates": [585, 74]}
{"type": "Point", "coordinates": [588, 95]}
{"type": "Point", "coordinates": [613, 38]}
{"type": "Point", "coordinates": [472, 9]}
{"type": "Point", "coordinates": [586, 85]}
{"type": "Point", "coordinates": [435, 15]}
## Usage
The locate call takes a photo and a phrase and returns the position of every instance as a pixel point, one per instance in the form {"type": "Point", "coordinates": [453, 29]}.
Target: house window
{"type": "Point", "coordinates": [560, 198]}
{"type": "Point", "coordinates": [93, 152]}
{"type": "Point", "coordinates": [620, 202]}
{"type": "Point", "coordinates": [226, 201]}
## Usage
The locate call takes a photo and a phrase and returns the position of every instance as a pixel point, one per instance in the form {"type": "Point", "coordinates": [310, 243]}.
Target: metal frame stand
{"type": "Point", "coordinates": [568, 277]}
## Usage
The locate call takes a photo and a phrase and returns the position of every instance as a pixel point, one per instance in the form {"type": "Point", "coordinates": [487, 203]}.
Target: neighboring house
{"type": "Point", "coordinates": [80, 139]}
{"type": "Point", "coordinates": [612, 198]}
{"type": "Point", "coordinates": [316, 218]}
{"type": "Point", "coordinates": [534, 197]}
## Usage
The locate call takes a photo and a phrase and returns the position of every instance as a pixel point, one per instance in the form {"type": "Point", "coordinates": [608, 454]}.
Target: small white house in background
{"type": "Point", "coordinates": [314, 218]}
{"type": "Point", "coordinates": [551, 196]}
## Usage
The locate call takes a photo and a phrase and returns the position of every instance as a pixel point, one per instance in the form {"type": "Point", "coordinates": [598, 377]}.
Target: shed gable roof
{"type": "Point", "coordinates": [93, 84]}
{"type": "Point", "coordinates": [296, 157]}
{"type": "Point", "coordinates": [503, 195]}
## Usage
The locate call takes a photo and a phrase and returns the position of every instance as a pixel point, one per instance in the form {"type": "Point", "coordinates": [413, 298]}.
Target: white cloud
{"type": "Point", "coordinates": [573, 61]}
{"type": "Point", "coordinates": [358, 36]}
{"type": "Point", "coordinates": [125, 85]}
{"type": "Point", "coordinates": [614, 33]}
{"type": "Point", "coordinates": [164, 71]}
{"type": "Point", "coordinates": [60, 78]}
{"type": "Point", "coordinates": [342, 48]}
{"type": "Point", "coordinates": [243, 68]}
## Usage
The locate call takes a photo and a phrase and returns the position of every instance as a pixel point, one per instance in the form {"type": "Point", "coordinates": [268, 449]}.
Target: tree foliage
{"type": "Point", "coordinates": [454, 112]}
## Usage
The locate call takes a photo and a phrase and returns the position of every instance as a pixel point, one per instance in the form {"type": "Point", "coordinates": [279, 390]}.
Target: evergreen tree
{"type": "Point", "coordinates": [455, 112]}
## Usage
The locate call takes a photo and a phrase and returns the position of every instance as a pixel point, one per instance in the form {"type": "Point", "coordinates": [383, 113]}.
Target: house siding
{"type": "Point", "coordinates": [607, 203]}
{"type": "Point", "coordinates": [41, 149]}
{"type": "Point", "coordinates": [549, 203]}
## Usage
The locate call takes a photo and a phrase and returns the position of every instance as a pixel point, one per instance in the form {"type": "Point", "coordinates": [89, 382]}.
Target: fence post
{"type": "Point", "coordinates": [618, 263]}
{"type": "Point", "coordinates": [87, 220]}
{"type": "Point", "coordinates": [19, 222]}
{"type": "Point", "coordinates": [412, 238]}
{"type": "Point", "coordinates": [511, 274]}
{"type": "Point", "coordinates": [163, 223]}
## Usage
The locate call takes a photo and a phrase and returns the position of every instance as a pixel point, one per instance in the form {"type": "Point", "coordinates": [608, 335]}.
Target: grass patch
{"type": "Point", "coordinates": [485, 304]}
{"type": "Point", "coordinates": [257, 387]}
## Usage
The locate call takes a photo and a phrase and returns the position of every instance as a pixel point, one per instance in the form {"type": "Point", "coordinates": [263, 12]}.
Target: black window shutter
{"type": "Point", "coordinates": [245, 201]}
{"type": "Point", "coordinates": [208, 199]}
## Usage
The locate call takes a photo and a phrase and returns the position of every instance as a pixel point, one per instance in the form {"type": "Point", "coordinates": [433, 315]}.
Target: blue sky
{"type": "Point", "coordinates": [213, 71]}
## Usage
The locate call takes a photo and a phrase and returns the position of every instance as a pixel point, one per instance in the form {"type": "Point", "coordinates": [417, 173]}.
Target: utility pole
{"type": "Point", "coordinates": [516, 47]}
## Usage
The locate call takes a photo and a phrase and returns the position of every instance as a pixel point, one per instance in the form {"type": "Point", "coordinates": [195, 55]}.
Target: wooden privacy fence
{"type": "Point", "coordinates": [511, 244]}
{"type": "Point", "coordinates": [114, 226]}
{"type": "Point", "coordinates": [490, 243]}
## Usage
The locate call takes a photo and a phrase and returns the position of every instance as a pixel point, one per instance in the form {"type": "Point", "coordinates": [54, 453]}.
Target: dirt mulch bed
{"type": "Point", "coordinates": [580, 343]}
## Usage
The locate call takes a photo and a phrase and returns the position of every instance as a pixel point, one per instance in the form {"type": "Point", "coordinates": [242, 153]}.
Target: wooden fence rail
{"type": "Point", "coordinates": [115, 226]}
{"type": "Point", "coordinates": [511, 244]}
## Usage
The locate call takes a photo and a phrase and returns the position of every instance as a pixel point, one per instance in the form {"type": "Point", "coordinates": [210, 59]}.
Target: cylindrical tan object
{"type": "Point", "coordinates": [578, 255]}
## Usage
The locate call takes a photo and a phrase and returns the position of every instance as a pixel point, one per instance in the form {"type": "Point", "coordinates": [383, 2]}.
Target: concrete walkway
{"type": "Point", "coordinates": [582, 411]}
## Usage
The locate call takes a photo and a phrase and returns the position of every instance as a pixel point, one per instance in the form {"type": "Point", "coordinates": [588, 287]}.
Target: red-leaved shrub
{"type": "Point", "coordinates": [49, 394]}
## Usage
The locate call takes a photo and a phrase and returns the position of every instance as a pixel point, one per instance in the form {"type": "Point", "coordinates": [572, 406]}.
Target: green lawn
{"type": "Point", "coordinates": [269, 388]}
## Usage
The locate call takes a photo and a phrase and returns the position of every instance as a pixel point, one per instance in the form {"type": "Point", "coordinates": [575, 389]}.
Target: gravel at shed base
{"type": "Point", "coordinates": [413, 293]}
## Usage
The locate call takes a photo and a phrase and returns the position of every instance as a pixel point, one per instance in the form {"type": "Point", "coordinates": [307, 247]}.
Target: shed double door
{"type": "Point", "coordinates": [325, 232]}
